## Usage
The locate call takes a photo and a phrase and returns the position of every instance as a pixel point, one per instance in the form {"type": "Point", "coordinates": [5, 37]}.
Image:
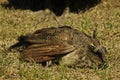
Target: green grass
{"type": "Point", "coordinates": [13, 23]}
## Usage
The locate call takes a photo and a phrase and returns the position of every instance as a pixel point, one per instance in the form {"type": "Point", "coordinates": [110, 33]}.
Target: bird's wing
{"type": "Point", "coordinates": [38, 38]}
{"type": "Point", "coordinates": [44, 52]}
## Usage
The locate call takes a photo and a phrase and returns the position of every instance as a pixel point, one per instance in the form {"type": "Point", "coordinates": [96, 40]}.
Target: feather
{"type": "Point", "coordinates": [61, 44]}
{"type": "Point", "coordinates": [45, 52]}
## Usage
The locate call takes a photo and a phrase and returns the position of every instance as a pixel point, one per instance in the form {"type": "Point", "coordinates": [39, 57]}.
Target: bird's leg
{"type": "Point", "coordinates": [48, 63]}
{"type": "Point", "coordinates": [67, 9]}
{"type": "Point", "coordinates": [48, 14]}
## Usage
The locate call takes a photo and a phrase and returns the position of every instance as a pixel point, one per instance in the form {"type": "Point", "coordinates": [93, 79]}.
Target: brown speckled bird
{"type": "Point", "coordinates": [63, 45]}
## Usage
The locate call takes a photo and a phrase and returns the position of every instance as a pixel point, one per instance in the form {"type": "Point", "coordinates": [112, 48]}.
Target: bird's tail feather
{"type": "Point", "coordinates": [21, 42]}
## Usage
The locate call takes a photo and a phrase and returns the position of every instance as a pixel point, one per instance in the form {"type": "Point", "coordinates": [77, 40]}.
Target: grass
{"type": "Point", "coordinates": [16, 22]}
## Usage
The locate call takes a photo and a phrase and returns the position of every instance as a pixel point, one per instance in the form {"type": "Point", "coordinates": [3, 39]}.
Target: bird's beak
{"type": "Point", "coordinates": [102, 53]}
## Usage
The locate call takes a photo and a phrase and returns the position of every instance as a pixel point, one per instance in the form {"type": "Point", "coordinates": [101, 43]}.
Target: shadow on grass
{"type": "Point", "coordinates": [56, 6]}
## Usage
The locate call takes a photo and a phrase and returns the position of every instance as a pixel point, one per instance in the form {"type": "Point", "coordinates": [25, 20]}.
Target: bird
{"type": "Point", "coordinates": [62, 45]}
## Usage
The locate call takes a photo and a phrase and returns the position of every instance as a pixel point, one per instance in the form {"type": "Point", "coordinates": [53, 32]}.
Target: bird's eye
{"type": "Point", "coordinates": [92, 47]}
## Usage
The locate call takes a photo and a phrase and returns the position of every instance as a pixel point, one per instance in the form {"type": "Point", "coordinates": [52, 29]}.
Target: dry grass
{"type": "Point", "coordinates": [13, 23]}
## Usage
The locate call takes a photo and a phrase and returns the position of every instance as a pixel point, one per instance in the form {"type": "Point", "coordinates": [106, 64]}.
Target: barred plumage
{"type": "Point", "coordinates": [64, 44]}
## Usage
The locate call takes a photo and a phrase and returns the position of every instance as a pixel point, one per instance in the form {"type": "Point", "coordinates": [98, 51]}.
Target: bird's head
{"type": "Point", "coordinates": [96, 52]}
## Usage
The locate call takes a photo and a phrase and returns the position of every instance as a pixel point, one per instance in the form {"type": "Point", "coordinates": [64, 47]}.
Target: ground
{"type": "Point", "coordinates": [15, 22]}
